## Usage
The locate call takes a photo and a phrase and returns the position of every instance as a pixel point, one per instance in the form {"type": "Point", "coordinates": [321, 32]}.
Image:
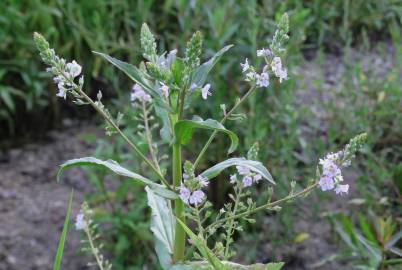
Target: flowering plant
{"type": "Point", "coordinates": [166, 84]}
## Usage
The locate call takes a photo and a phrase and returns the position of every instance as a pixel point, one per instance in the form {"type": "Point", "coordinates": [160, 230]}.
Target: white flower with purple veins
{"type": "Point", "coordinates": [203, 181]}
{"type": "Point", "coordinates": [205, 91]}
{"type": "Point", "coordinates": [184, 193]}
{"type": "Point", "coordinates": [197, 197]}
{"type": "Point", "coordinates": [245, 67]}
{"type": "Point", "coordinates": [262, 80]}
{"type": "Point", "coordinates": [278, 69]}
{"type": "Point", "coordinates": [243, 170]}
{"type": "Point", "coordinates": [165, 90]}
{"type": "Point", "coordinates": [342, 189]}
{"type": "Point", "coordinates": [62, 90]}
{"type": "Point", "coordinates": [73, 69]}
{"type": "Point", "coordinates": [140, 94]}
{"type": "Point", "coordinates": [80, 221]}
{"type": "Point", "coordinates": [264, 53]}
{"type": "Point", "coordinates": [326, 183]}
{"type": "Point", "coordinates": [247, 181]}
{"type": "Point", "coordinates": [257, 178]}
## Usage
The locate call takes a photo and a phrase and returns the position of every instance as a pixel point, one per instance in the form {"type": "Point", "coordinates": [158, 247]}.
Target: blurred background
{"type": "Point", "coordinates": [345, 67]}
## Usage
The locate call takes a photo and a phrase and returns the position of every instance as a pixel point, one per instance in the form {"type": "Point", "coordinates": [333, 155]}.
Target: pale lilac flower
{"type": "Point", "coordinates": [140, 94]}
{"type": "Point", "coordinates": [257, 178]}
{"type": "Point", "coordinates": [62, 90]}
{"type": "Point", "coordinates": [342, 189]}
{"type": "Point", "coordinates": [278, 69]}
{"type": "Point", "coordinates": [184, 194]}
{"type": "Point", "coordinates": [245, 66]}
{"type": "Point", "coordinates": [247, 181]}
{"type": "Point", "coordinates": [205, 91]}
{"type": "Point", "coordinates": [80, 221]}
{"type": "Point", "coordinates": [263, 52]}
{"type": "Point", "coordinates": [193, 86]}
{"type": "Point", "coordinates": [185, 176]}
{"type": "Point", "coordinates": [73, 69]}
{"type": "Point", "coordinates": [262, 80]}
{"type": "Point", "coordinates": [233, 179]}
{"type": "Point", "coordinates": [243, 170]}
{"type": "Point", "coordinates": [197, 197]}
{"type": "Point", "coordinates": [250, 76]}
{"type": "Point", "coordinates": [326, 183]}
{"type": "Point", "coordinates": [329, 168]}
{"type": "Point", "coordinates": [165, 90]}
{"type": "Point", "coordinates": [203, 181]}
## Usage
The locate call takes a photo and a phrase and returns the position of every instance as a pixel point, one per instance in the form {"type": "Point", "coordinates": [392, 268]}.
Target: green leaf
{"type": "Point", "coordinates": [275, 266]}
{"type": "Point", "coordinates": [116, 168]}
{"type": "Point", "coordinates": [253, 165]}
{"type": "Point", "coordinates": [198, 265]}
{"type": "Point", "coordinates": [136, 75]}
{"type": "Point", "coordinates": [201, 72]}
{"type": "Point", "coordinates": [202, 247]}
{"type": "Point", "coordinates": [184, 130]}
{"type": "Point", "coordinates": [162, 226]}
{"type": "Point", "coordinates": [60, 247]}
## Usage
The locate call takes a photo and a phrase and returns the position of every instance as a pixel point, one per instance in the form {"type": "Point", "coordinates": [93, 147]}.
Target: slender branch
{"type": "Point", "coordinates": [148, 135]}
{"type": "Point", "coordinates": [229, 231]}
{"type": "Point", "coordinates": [266, 206]}
{"type": "Point", "coordinates": [225, 117]}
{"type": "Point", "coordinates": [130, 143]}
{"type": "Point", "coordinates": [95, 250]}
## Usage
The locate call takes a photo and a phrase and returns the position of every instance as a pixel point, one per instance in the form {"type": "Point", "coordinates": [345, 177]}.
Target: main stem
{"type": "Point", "coordinates": [180, 235]}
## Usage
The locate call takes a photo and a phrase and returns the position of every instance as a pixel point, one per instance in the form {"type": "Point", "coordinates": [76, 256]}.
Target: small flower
{"type": "Point", "coordinates": [205, 91]}
{"type": "Point", "coordinates": [62, 90]}
{"type": "Point", "coordinates": [342, 189]}
{"type": "Point", "coordinates": [278, 70]}
{"type": "Point", "coordinates": [80, 221]}
{"type": "Point", "coordinates": [257, 178]}
{"type": "Point", "coordinates": [245, 66]}
{"type": "Point", "coordinates": [184, 194]}
{"type": "Point", "coordinates": [263, 53]}
{"type": "Point", "coordinates": [262, 80]}
{"type": "Point", "coordinates": [193, 86]}
{"type": "Point", "coordinates": [197, 197]}
{"type": "Point", "coordinates": [171, 56]}
{"type": "Point", "coordinates": [243, 170]}
{"type": "Point", "coordinates": [203, 181]}
{"type": "Point", "coordinates": [73, 69]}
{"type": "Point", "coordinates": [247, 181]}
{"type": "Point", "coordinates": [250, 76]}
{"type": "Point", "coordinates": [139, 93]}
{"type": "Point", "coordinates": [233, 179]}
{"type": "Point", "coordinates": [326, 183]}
{"type": "Point", "coordinates": [165, 90]}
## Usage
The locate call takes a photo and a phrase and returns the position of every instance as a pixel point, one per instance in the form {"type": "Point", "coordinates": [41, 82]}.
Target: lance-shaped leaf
{"type": "Point", "coordinates": [136, 75]}
{"type": "Point", "coordinates": [201, 72]}
{"type": "Point", "coordinates": [253, 165]}
{"type": "Point", "coordinates": [184, 130]}
{"type": "Point", "coordinates": [162, 226]}
{"type": "Point", "coordinates": [116, 168]}
{"type": "Point", "coordinates": [202, 247]}
{"type": "Point", "coordinates": [60, 247]}
{"type": "Point", "coordinates": [200, 265]}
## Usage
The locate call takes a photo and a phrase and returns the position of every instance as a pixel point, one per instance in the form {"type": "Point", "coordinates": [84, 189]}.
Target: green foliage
{"type": "Point", "coordinates": [63, 235]}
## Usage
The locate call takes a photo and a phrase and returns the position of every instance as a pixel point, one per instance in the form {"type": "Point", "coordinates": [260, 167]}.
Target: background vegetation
{"type": "Point", "coordinates": [358, 41]}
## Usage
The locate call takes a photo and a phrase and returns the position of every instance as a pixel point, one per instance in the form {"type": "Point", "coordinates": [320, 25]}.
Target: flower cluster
{"type": "Point", "coordinates": [64, 73]}
{"type": "Point", "coordinates": [137, 93]}
{"type": "Point", "coordinates": [248, 177]}
{"type": "Point", "coordinates": [273, 63]}
{"type": "Point", "coordinates": [331, 176]}
{"type": "Point", "coordinates": [191, 187]}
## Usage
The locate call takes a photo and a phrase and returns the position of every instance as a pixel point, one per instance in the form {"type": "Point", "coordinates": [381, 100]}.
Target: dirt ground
{"type": "Point", "coordinates": [33, 205]}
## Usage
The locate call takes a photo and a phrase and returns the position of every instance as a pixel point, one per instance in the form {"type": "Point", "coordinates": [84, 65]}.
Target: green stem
{"type": "Point", "coordinates": [180, 235]}
{"type": "Point", "coordinates": [229, 232]}
{"type": "Point", "coordinates": [204, 149]}
{"type": "Point", "coordinates": [148, 135]}
{"type": "Point", "coordinates": [265, 206]}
